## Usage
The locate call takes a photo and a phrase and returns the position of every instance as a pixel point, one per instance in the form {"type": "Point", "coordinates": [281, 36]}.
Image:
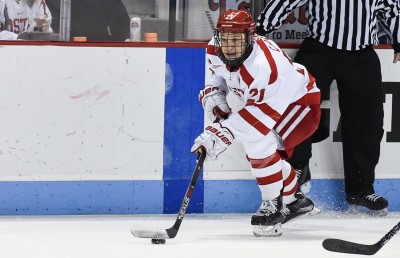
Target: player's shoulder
{"type": "Point", "coordinates": [268, 51]}
{"type": "Point", "coordinates": [211, 48]}
{"type": "Point", "coordinates": [212, 56]}
{"type": "Point", "coordinates": [263, 63]}
{"type": "Point", "coordinates": [258, 59]}
{"type": "Point", "coordinates": [265, 44]}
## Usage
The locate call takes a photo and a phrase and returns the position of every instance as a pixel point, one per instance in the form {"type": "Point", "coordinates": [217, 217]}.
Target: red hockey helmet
{"type": "Point", "coordinates": [234, 22]}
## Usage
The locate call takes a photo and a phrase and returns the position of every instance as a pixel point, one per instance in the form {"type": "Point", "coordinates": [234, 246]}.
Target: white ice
{"type": "Point", "coordinates": [200, 236]}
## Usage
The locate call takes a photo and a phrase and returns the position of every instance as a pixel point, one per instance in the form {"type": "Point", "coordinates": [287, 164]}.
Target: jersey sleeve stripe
{"type": "Point", "coordinates": [266, 109]}
{"type": "Point", "coordinates": [253, 121]}
{"type": "Point", "coordinates": [274, 70]}
{"type": "Point", "coordinates": [291, 118]}
{"type": "Point", "coordinates": [311, 79]}
{"type": "Point", "coordinates": [290, 112]}
{"type": "Point", "coordinates": [299, 117]}
{"type": "Point", "coordinates": [246, 76]}
{"type": "Point", "coordinates": [299, 70]}
{"type": "Point", "coordinates": [311, 98]}
{"type": "Point", "coordinates": [310, 85]}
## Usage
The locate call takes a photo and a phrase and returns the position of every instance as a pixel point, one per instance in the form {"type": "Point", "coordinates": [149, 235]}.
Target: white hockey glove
{"type": "Point", "coordinates": [214, 102]}
{"type": "Point", "coordinates": [215, 139]}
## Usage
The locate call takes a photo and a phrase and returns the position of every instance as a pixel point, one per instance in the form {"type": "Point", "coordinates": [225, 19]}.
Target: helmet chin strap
{"type": "Point", "coordinates": [235, 62]}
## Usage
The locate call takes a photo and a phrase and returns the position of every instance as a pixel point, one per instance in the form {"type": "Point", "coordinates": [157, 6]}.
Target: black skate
{"type": "Point", "coordinates": [300, 207]}
{"type": "Point", "coordinates": [376, 204]}
{"type": "Point", "coordinates": [267, 220]}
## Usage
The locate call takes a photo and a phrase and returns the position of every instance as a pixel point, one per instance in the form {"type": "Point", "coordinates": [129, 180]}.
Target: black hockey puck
{"type": "Point", "coordinates": [158, 241]}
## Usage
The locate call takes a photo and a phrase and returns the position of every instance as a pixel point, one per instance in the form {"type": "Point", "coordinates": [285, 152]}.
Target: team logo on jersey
{"type": "Point", "coordinates": [216, 66]}
{"type": "Point", "coordinates": [219, 134]}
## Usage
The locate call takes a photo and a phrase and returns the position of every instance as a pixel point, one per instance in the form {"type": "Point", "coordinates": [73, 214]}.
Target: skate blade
{"type": "Point", "coordinates": [314, 211]}
{"type": "Point", "coordinates": [267, 231]}
{"type": "Point", "coordinates": [355, 209]}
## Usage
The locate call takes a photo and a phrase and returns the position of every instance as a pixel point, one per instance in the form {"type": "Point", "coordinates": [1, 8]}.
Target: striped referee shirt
{"type": "Point", "coordinates": [343, 24]}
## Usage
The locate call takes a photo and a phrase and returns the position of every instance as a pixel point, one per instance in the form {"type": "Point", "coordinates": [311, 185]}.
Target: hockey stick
{"type": "Point", "coordinates": [209, 17]}
{"type": "Point", "coordinates": [173, 231]}
{"type": "Point", "coordinates": [341, 246]}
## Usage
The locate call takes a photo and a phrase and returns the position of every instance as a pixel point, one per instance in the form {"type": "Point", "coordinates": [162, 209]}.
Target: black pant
{"type": "Point", "coordinates": [359, 81]}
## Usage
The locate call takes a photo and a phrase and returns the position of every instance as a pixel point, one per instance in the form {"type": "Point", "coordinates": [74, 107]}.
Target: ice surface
{"type": "Point", "coordinates": [200, 235]}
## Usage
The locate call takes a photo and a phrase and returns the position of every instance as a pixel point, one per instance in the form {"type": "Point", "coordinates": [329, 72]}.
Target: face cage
{"type": "Point", "coordinates": [233, 62]}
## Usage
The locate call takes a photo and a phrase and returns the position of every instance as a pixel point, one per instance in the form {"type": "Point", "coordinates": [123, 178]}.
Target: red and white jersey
{"type": "Point", "coordinates": [21, 15]}
{"type": "Point", "coordinates": [267, 82]}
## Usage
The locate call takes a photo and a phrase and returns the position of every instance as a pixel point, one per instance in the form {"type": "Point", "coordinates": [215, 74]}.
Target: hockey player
{"type": "Point", "coordinates": [281, 109]}
{"type": "Point", "coordinates": [18, 16]}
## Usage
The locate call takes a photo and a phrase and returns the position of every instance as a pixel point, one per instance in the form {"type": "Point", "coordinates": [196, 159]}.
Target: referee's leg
{"type": "Point", "coordinates": [361, 107]}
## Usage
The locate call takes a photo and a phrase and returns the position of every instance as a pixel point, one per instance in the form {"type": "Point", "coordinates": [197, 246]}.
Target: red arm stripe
{"type": "Point", "coordinates": [257, 124]}
{"type": "Point", "coordinates": [274, 70]}
{"type": "Point", "coordinates": [266, 109]}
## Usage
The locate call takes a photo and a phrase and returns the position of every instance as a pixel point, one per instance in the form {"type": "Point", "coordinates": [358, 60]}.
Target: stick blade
{"type": "Point", "coordinates": [154, 234]}
{"type": "Point", "coordinates": [341, 246]}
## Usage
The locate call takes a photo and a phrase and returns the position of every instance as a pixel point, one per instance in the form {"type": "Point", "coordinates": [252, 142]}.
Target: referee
{"type": "Point", "coordinates": [339, 46]}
